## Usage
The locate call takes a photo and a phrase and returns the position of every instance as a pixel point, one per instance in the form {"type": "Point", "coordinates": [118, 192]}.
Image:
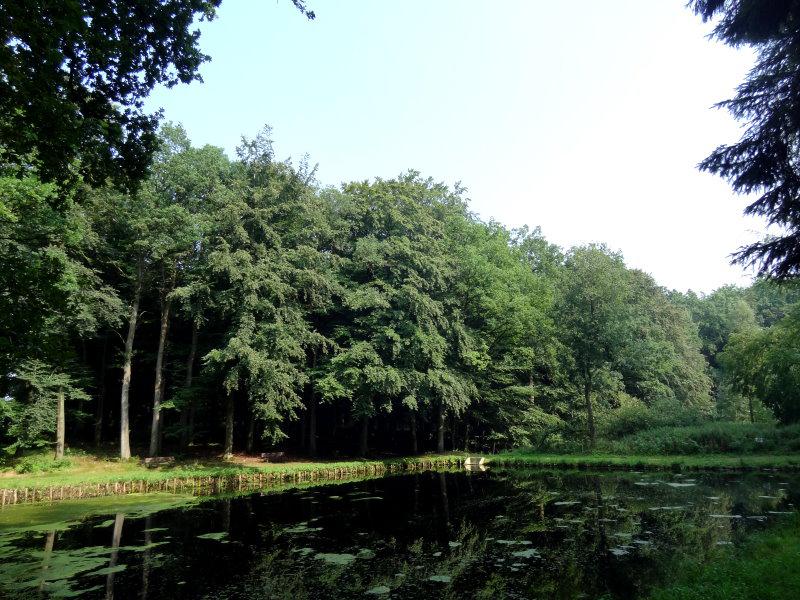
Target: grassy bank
{"type": "Point", "coordinates": [36, 478]}
{"type": "Point", "coordinates": [765, 566]}
{"type": "Point", "coordinates": [85, 476]}
{"type": "Point", "coordinates": [616, 461]}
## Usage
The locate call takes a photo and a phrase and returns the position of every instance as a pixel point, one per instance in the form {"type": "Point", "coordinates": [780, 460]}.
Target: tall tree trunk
{"type": "Point", "coordinates": [587, 394]}
{"type": "Point", "coordinates": [158, 388]}
{"type": "Point", "coordinates": [60, 425]}
{"type": "Point", "coordinates": [187, 424]}
{"type": "Point", "coordinates": [414, 441]}
{"type": "Point", "coordinates": [101, 396]}
{"type": "Point", "coordinates": [124, 413]}
{"type": "Point", "coordinates": [440, 428]}
{"type": "Point", "coordinates": [312, 423]}
{"type": "Point", "coordinates": [750, 407]}
{"type": "Point", "coordinates": [228, 452]}
{"type": "Point", "coordinates": [251, 431]}
{"type": "Point", "coordinates": [301, 431]}
{"type": "Point", "coordinates": [363, 447]}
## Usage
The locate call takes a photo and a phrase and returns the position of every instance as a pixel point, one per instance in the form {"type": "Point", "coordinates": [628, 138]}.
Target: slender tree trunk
{"type": "Point", "coordinates": [363, 447]}
{"type": "Point", "coordinates": [414, 441]}
{"type": "Point", "coordinates": [301, 431]}
{"type": "Point", "coordinates": [192, 411]}
{"type": "Point", "coordinates": [587, 394]}
{"type": "Point", "coordinates": [124, 416]}
{"type": "Point", "coordinates": [158, 389]}
{"type": "Point", "coordinates": [186, 429]}
{"type": "Point", "coordinates": [750, 406]}
{"type": "Point", "coordinates": [251, 432]}
{"type": "Point", "coordinates": [60, 425]}
{"type": "Point", "coordinates": [440, 428]}
{"type": "Point", "coordinates": [228, 452]}
{"type": "Point", "coordinates": [101, 396]}
{"type": "Point", "coordinates": [312, 424]}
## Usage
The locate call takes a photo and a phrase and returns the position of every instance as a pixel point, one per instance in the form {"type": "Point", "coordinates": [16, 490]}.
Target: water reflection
{"type": "Point", "coordinates": [514, 533]}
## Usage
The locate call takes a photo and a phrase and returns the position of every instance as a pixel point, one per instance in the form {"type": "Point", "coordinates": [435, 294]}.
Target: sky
{"type": "Point", "coordinates": [584, 118]}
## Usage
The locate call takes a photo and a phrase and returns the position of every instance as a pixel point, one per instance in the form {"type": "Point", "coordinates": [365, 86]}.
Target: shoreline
{"type": "Point", "coordinates": [203, 480]}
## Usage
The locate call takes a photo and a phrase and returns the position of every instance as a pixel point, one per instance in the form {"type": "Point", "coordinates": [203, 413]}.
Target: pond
{"type": "Point", "coordinates": [498, 534]}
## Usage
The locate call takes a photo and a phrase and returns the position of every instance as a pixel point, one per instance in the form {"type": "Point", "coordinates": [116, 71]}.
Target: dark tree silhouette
{"type": "Point", "coordinates": [765, 160]}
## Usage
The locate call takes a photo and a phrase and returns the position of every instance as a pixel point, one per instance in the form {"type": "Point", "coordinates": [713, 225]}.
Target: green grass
{"type": "Point", "coordinates": [616, 461]}
{"type": "Point", "coordinates": [86, 470]}
{"type": "Point", "coordinates": [89, 470]}
{"type": "Point", "coordinates": [765, 566]}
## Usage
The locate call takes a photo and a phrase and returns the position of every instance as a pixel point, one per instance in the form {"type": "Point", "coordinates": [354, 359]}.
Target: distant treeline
{"type": "Point", "coordinates": [237, 302]}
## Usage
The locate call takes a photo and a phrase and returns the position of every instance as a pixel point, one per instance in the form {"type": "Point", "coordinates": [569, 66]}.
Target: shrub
{"type": "Point", "coordinates": [39, 464]}
{"type": "Point", "coordinates": [632, 416]}
{"type": "Point", "coordinates": [713, 437]}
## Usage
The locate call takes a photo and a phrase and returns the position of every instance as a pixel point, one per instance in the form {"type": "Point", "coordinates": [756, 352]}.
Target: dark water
{"type": "Point", "coordinates": [499, 534]}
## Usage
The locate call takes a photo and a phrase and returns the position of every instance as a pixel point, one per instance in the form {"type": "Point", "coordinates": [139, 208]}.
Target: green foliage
{"type": "Point", "coordinates": [31, 407]}
{"type": "Point", "coordinates": [75, 76]}
{"type": "Point", "coordinates": [765, 363]}
{"type": "Point", "coordinates": [763, 567]}
{"type": "Point", "coordinates": [709, 438]}
{"type": "Point", "coordinates": [633, 415]}
{"type": "Point", "coordinates": [762, 161]}
{"type": "Point", "coordinates": [48, 288]}
{"type": "Point", "coordinates": [381, 305]}
{"type": "Point", "coordinates": [41, 464]}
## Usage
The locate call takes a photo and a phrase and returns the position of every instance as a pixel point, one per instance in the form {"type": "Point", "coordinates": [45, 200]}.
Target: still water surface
{"type": "Point", "coordinates": [498, 534]}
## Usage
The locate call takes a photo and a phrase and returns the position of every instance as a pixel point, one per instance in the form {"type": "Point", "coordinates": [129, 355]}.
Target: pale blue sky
{"type": "Point", "coordinates": [586, 118]}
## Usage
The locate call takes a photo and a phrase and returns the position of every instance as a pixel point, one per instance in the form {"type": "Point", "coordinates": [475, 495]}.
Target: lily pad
{"type": "Point", "coordinates": [213, 536]}
{"type": "Point", "coordinates": [529, 553]}
{"type": "Point", "coordinates": [336, 559]}
{"type": "Point", "coordinates": [379, 590]}
{"type": "Point", "coordinates": [440, 578]}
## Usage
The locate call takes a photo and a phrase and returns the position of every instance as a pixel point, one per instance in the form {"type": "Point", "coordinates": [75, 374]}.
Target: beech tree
{"type": "Point", "coordinates": [593, 314]}
{"type": "Point", "coordinates": [75, 76]}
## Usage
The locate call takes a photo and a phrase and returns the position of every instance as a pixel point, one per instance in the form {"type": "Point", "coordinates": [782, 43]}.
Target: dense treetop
{"type": "Point", "coordinates": [234, 301]}
{"type": "Point", "coordinates": [764, 161]}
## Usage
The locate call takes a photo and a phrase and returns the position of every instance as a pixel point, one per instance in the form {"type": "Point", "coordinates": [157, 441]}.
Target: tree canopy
{"type": "Point", "coordinates": [764, 160]}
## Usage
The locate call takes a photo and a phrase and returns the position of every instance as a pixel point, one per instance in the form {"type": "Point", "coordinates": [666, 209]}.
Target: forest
{"type": "Point", "coordinates": [224, 375]}
{"type": "Point", "coordinates": [158, 298]}
{"type": "Point", "coordinates": [237, 304]}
